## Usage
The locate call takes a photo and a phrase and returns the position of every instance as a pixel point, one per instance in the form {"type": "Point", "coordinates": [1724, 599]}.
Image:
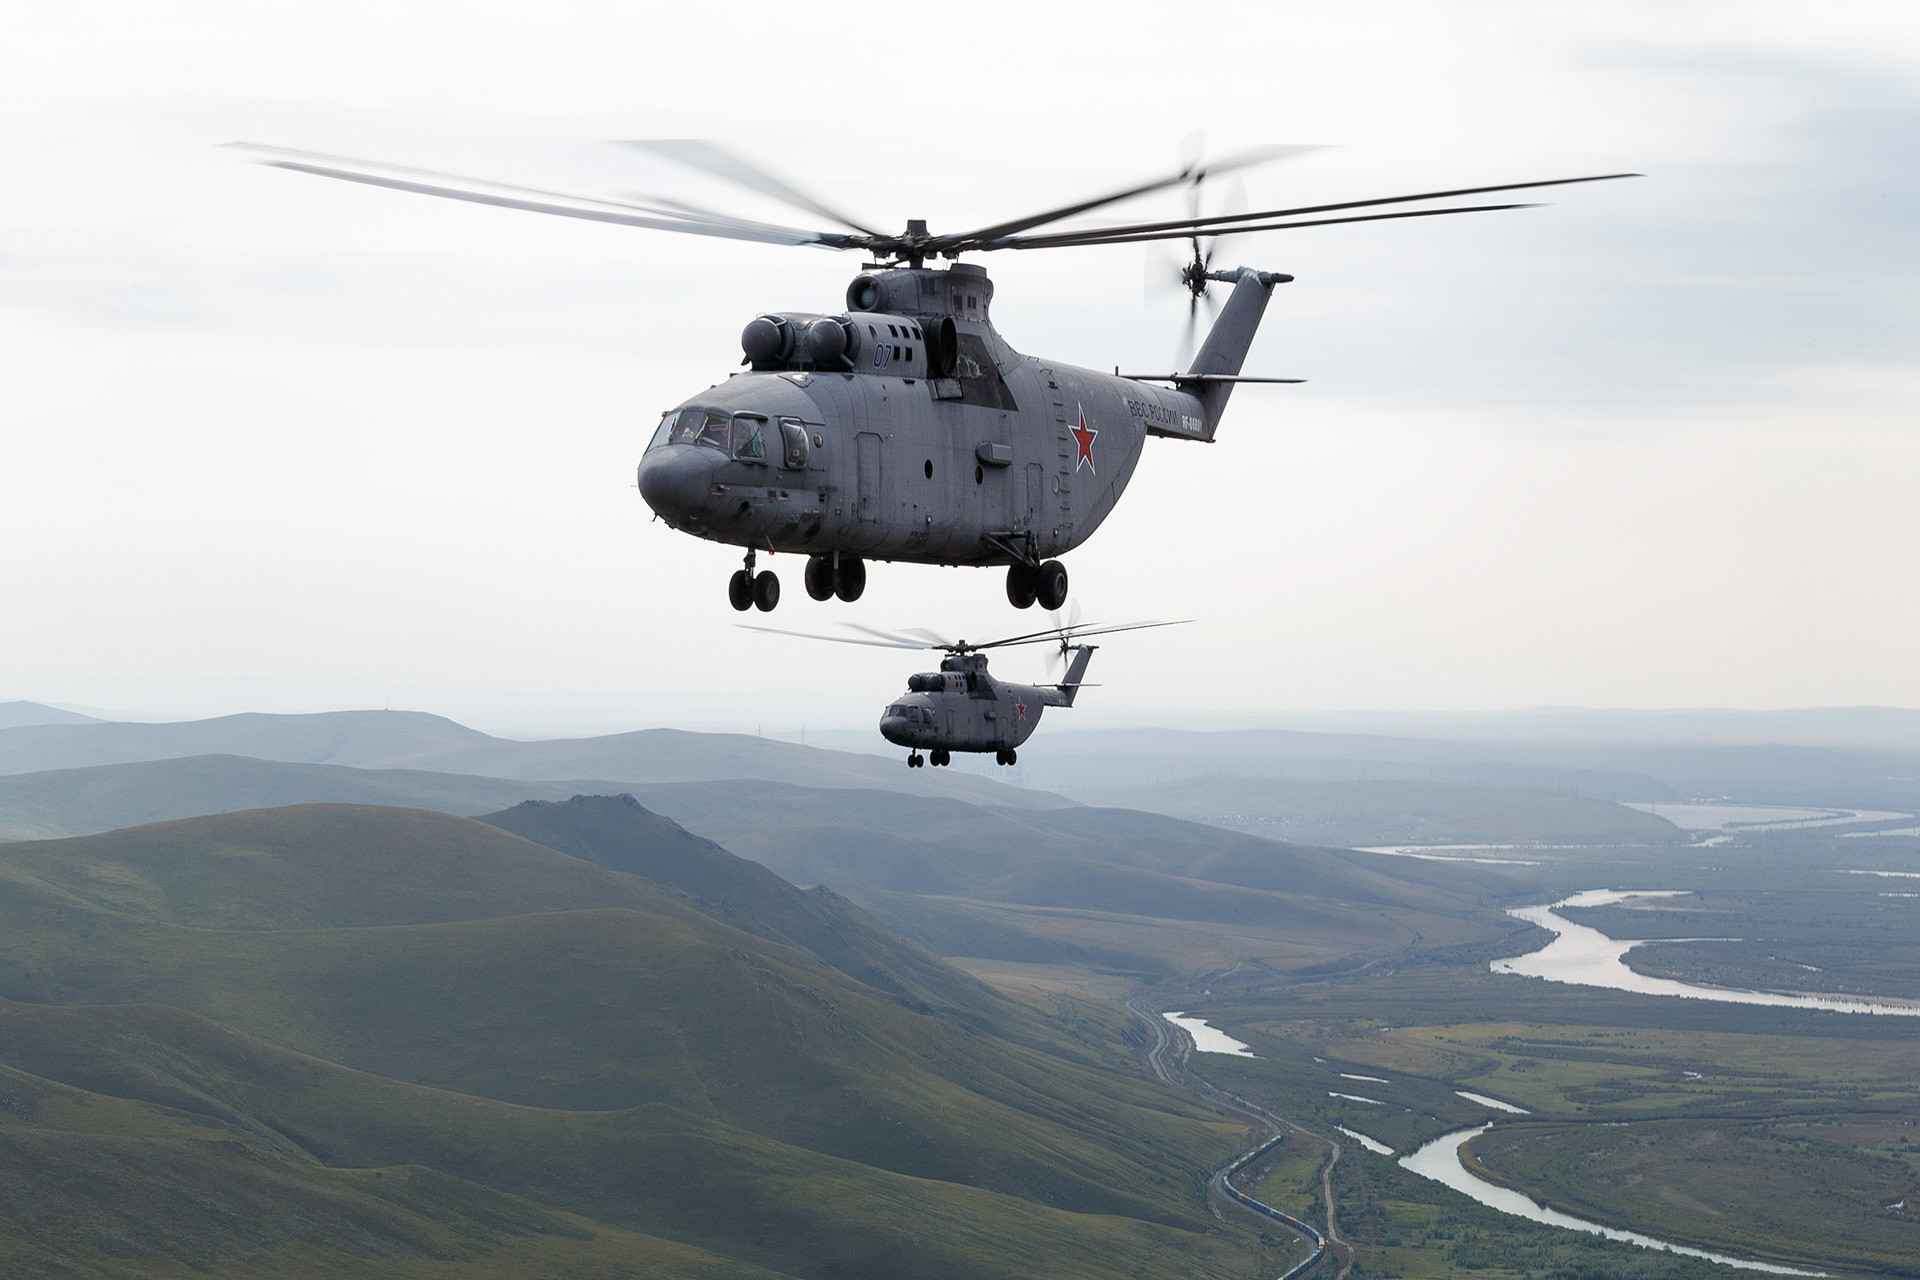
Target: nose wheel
{"type": "Point", "coordinates": [749, 590]}
{"type": "Point", "coordinates": [1009, 756]}
{"type": "Point", "coordinates": [915, 760]}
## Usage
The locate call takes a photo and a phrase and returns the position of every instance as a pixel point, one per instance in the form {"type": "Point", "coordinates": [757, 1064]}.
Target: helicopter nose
{"type": "Point", "coordinates": [676, 480]}
{"type": "Point", "coordinates": [894, 729]}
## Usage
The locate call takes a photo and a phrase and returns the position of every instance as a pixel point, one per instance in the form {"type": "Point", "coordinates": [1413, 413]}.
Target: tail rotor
{"type": "Point", "coordinates": [1195, 274]}
{"type": "Point", "coordinates": [1064, 625]}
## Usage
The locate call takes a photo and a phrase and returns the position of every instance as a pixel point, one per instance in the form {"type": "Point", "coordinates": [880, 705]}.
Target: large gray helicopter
{"type": "Point", "coordinates": [961, 707]}
{"type": "Point", "coordinates": [904, 428]}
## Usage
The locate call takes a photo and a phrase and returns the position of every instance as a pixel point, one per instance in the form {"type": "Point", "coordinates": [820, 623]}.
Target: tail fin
{"type": "Point", "coordinates": [1076, 672]}
{"type": "Point", "coordinates": [1225, 349]}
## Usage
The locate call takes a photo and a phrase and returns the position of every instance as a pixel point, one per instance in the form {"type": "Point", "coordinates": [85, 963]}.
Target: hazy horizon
{"type": "Point", "coordinates": [1894, 728]}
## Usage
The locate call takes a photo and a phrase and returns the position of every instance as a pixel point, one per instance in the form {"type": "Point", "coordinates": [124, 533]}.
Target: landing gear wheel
{"type": "Point", "coordinates": [914, 761]}
{"type": "Point", "coordinates": [1022, 590]}
{"type": "Point", "coordinates": [1051, 585]}
{"type": "Point", "coordinates": [850, 578]}
{"type": "Point", "coordinates": [766, 592]}
{"type": "Point", "coordinates": [740, 591]}
{"type": "Point", "coordinates": [939, 757]}
{"type": "Point", "coordinates": [1013, 757]}
{"type": "Point", "coordinates": [819, 577]}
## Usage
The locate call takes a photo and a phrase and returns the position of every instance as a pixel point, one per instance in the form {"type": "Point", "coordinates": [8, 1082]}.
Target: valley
{"type": "Point", "coordinates": [637, 1011]}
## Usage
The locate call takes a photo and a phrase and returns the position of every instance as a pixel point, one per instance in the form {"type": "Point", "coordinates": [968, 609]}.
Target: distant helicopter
{"type": "Point", "coordinates": [961, 707]}
{"type": "Point", "coordinates": [904, 428]}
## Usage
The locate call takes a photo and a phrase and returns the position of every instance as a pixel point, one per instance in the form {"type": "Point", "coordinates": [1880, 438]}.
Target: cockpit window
{"type": "Point", "coordinates": [713, 430]}
{"type": "Point", "coordinates": [686, 425]}
{"type": "Point", "coordinates": [661, 432]}
{"type": "Point", "coordinates": [748, 446]}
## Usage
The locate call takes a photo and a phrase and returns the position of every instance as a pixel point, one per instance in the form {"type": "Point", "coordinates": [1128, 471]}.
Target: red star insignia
{"type": "Point", "coordinates": [1083, 436]}
{"type": "Point", "coordinates": [1020, 709]}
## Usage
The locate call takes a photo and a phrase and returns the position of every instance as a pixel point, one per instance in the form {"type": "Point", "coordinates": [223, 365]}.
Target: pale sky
{"type": "Point", "coordinates": [274, 443]}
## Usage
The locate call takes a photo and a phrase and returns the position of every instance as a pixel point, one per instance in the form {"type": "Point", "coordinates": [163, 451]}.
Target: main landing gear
{"type": "Point", "coordinates": [937, 756]}
{"type": "Point", "coordinates": [1046, 583]}
{"type": "Point", "coordinates": [749, 590]}
{"type": "Point", "coordinates": [836, 575]}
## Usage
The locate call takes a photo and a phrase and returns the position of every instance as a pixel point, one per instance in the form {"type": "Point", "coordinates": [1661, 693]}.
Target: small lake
{"type": "Point", "coordinates": [1495, 1103]}
{"type": "Point", "coordinates": [1584, 956]}
{"type": "Point", "coordinates": [1208, 1039]}
{"type": "Point", "coordinates": [1440, 1161]}
{"type": "Point", "coordinates": [1374, 1145]}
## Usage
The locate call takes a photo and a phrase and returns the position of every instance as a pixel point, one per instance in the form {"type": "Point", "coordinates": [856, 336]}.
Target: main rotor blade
{"type": "Point", "coordinates": [814, 635]}
{"type": "Point", "coordinates": [1231, 222]}
{"type": "Point", "coordinates": [916, 638]}
{"type": "Point", "coordinates": [500, 195]}
{"type": "Point", "coordinates": [1057, 634]}
{"type": "Point", "coordinates": [1188, 173]}
{"type": "Point", "coordinates": [711, 157]}
{"type": "Point", "coordinates": [1127, 237]}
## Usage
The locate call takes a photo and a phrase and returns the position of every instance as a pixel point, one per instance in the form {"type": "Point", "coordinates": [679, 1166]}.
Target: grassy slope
{"type": "Point", "coordinates": [653, 1169]}
{"type": "Point", "coordinates": [107, 1184]}
{"type": "Point", "coordinates": [616, 1001]}
{"type": "Point", "coordinates": [617, 833]}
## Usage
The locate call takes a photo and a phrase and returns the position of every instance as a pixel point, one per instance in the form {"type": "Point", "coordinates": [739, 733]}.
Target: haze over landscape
{"type": "Point", "coordinates": [408, 869]}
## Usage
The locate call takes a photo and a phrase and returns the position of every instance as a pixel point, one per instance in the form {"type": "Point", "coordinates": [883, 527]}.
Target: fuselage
{"type": "Point", "coordinates": [962, 708]}
{"type": "Point", "coordinates": [971, 455]}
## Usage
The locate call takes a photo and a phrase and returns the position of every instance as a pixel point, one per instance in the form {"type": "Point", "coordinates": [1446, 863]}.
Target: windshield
{"type": "Point", "coordinates": [683, 426]}
{"type": "Point", "coordinates": [741, 437]}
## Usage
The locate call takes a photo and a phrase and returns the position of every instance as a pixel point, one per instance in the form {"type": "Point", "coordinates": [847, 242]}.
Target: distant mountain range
{"type": "Point", "coordinates": [15, 714]}
{"type": "Point", "coordinates": [416, 741]}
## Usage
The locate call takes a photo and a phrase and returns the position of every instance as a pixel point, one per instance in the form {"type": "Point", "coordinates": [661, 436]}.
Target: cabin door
{"type": "Point", "coordinates": [868, 463]}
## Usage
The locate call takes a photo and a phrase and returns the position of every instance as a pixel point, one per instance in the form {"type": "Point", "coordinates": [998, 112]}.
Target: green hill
{"type": "Point", "coordinates": [617, 833]}
{"type": "Point", "coordinates": [547, 1061]}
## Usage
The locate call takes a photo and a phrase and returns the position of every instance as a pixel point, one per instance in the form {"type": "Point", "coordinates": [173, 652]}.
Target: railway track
{"type": "Point", "coordinates": [1169, 1048]}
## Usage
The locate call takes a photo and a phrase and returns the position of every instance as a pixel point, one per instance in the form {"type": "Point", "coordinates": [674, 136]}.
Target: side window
{"type": "Point", "coordinates": [713, 429]}
{"type": "Point", "coordinates": [748, 446]}
{"type": "Point", "coordinates": [794, 433]}
{"type": "Point", "coordinates": [661, 432]}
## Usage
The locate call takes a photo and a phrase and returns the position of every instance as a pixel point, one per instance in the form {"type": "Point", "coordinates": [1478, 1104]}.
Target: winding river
{"type": "Point", "coordinates": [1440, 1160]}
{"type": "Point", "coordinates": [1587, 957]}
